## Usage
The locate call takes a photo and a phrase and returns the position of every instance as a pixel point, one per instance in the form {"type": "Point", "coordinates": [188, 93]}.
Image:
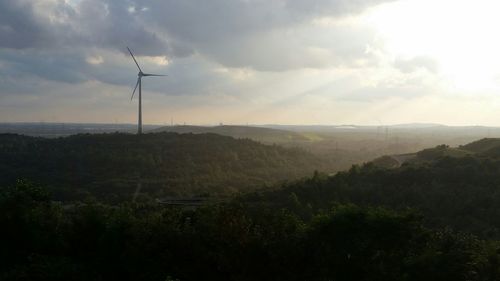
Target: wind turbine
{"type": "Point", "coordinates": [139, 83]}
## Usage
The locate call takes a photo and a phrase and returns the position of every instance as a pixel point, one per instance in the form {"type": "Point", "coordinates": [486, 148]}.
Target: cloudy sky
{"type": "Point", "coordinates": [251, 61]}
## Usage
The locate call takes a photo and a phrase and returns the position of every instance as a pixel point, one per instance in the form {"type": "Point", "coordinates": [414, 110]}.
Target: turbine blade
{"type": "Point", "coordinates": [148, 74]}
{"type": "Point", "coordinates": [134, 59]}
{"type": "Point", "coordinates": [137, 84]}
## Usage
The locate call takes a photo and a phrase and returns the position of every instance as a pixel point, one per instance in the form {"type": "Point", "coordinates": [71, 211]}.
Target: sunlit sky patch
{"type": "Point", "coordinates": [458, 35]}
{"type": "Point", "coordinates": [253, 61]}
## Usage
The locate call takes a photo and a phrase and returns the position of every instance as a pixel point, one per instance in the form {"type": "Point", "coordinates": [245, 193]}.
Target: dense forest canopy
{"type": "Point", "coordinates": [111, 165]}
{"type": "Point", "coordinates": [458, 190]}
{"type": "Point", "coordinates": [346, 145]}
{"type": "Point", "coordinates": [433, 217]}
{"type": "Point", "coordinates": [43, 240]}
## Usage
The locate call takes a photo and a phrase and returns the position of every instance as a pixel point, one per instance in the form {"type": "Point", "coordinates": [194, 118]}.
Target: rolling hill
{"type": "Point", "coordinates": [309, 230]}
{"type": "Point", "coordinates": [483, 148]}
{"type": "Point", "coordinates": [451, 187]}
{"type": "Point", "coordinates": [261, 134]}
{"type": "Point", "coordinates": [166, 164]}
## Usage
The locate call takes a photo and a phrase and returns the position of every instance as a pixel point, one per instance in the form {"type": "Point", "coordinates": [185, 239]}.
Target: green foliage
{"type": "Point", "coordinates": [229, 242]}
{"type": "Point", "coordinates": [458, 192]}
{"type": "Point", "coordinates": [110, 165]}
{"type": "Point", "coordinates": [386, 162]}
{"type": "Point", "coordinates": [482, 146]}
{"type": "Point", "coordinates": [440, 151]}
{"type": "Point", "coordinates": [356, 225]}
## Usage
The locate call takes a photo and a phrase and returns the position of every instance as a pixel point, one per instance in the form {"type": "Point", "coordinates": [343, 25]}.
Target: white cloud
{"type": "Point", "coordinates": [94, 59]}
{"type": "Point", "coordinates": [158, 60]}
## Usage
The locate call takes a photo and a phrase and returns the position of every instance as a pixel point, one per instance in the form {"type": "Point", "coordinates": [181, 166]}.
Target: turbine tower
{"type": "Point", "coordinates": [139, 83]}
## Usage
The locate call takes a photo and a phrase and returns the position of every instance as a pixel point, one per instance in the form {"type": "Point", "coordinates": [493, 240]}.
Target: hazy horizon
{"type": "Point", "coordinates": [289, 62]}
{"type": "Point", "coordinates": [400, 125]}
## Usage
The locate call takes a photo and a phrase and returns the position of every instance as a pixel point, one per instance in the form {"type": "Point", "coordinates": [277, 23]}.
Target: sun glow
{"type": "Point", "coordinates": [461, 36]}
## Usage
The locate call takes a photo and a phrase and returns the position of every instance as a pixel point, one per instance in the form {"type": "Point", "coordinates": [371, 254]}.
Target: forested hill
{"type": "Point", "coordinates": [458, 190]}
{"type": "Point", "coordinates": [487, 148]}
{"type": "Point", "coordinates": [168, 164]}
{"type": "Point", "coordinates": [266, 135]}
{"type": "Point", "coordinates": [302, 232]}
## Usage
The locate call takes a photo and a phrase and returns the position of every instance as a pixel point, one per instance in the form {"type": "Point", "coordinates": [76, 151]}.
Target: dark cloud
{"type": "Point", "coordinates": [50, 46]}
{"type": "Point", "coordinates": [237, 33]}
{"type": "Point", "coordinates": [107, 23]}
{"type": "Point", "coordinates": [92, 23]}
{"type": "Point", "coordinates": [19, 27]}
{"type": "Point", "coordinates": [56, 66]}
{"type": "Point", "coordinates": [261, 34]}
{"type": "Point", "coordinates": [209, 21]}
